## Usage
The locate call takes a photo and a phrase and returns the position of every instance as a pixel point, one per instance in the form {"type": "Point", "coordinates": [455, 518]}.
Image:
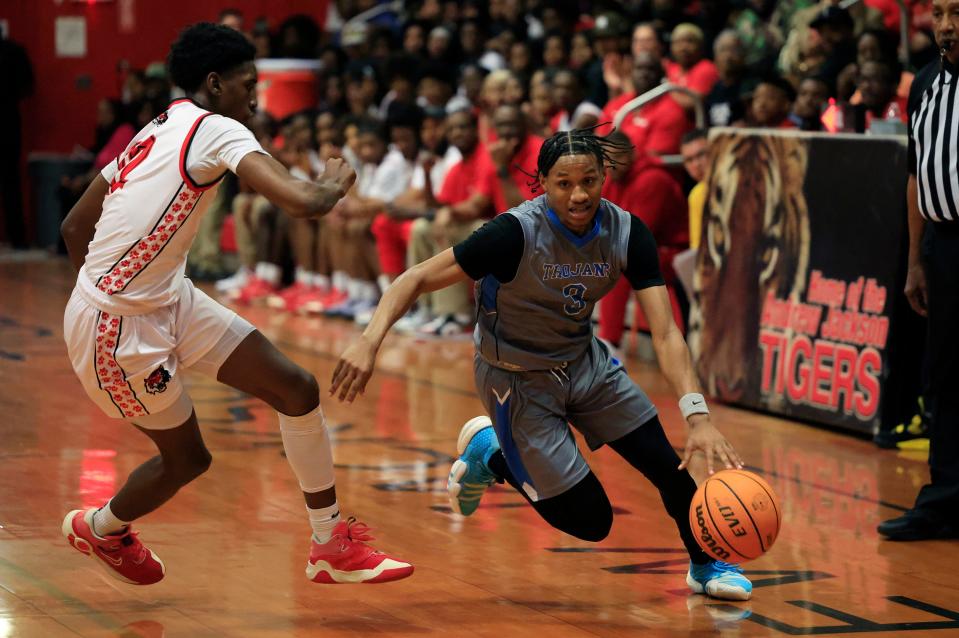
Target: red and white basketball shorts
{"type": "Point", "coordinates": [132, 365]}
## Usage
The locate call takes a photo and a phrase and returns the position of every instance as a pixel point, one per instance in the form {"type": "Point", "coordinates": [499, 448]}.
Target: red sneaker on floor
{"type": "Point", "coordinates": [123, 555]}
{"type": "Point", "coordinates": [286, 299]}
{"type": "Point", "coordinates": [326, 300]}
{"type": "Point", "coordinates": [255, 289]}
{"type": "Point", "coordinates": [345, 558]}
{"type": "Point", "coordinates": [308, 299]}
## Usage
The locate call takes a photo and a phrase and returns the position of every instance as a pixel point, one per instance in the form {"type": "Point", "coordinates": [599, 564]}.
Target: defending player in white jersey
{"type": "Point", "coordinates": [135, 324]}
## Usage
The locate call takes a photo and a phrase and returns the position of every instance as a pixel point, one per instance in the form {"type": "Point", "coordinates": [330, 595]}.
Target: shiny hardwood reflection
{"type": "Point", "coordinates": [235, 542]}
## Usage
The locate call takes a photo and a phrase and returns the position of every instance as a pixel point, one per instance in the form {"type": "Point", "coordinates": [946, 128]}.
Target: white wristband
{"type": "Point", "coordinates": [693, 403]}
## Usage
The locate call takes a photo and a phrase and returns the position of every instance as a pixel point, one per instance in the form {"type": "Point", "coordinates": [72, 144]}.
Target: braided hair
{"type": "Point", "coordinates": [581, 141]}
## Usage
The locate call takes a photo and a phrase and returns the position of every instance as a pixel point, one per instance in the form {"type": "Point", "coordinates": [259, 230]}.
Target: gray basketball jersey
{"type": "Point", "coordinates": [541, 319]}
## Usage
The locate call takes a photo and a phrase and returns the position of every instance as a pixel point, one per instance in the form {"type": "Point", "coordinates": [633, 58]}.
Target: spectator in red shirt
{"type": "Point", "coordinates": [811, 100]}
{"type": "Point", "coordinates": [689, 68]}
{"type": "Point", "coordinates": [514, 156]}
{"type": "Point", "coordinates": [641, 184]}
{"type": "Point", "coordinates": [772, 101]}
{"type": "Point", "coordinates": [872, 45]}
{"type": "Point", "coordinates": [656, 127]}
{"type": "Point", "coordinates": [492, 96]}
{"type": "Point", "coordinates": [465, 201]}
{"type": "Point", "coordinates": [877, 84]}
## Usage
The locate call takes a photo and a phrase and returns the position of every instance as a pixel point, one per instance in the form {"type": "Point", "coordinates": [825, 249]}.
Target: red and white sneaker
{"type": "Point", "coordinates": [255, 290]}
{"type": "Point", "coordinates": [345, 558]}
{"type": "Point", "coordinates": [123, 555]}
{"type": "Point", "coordinates": [286, 299]}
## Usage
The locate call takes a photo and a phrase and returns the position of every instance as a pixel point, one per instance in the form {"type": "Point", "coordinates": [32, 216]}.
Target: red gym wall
{"type": "Point", "coordinates": [61, 114]}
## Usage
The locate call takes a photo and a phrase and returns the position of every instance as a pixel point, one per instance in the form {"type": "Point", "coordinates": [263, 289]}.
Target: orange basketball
{"type": "Point", "coordinates": [735, 516]}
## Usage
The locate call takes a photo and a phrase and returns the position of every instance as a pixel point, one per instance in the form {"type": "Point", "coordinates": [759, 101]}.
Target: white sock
{"type": "Point", "coordinates": [105, 521]}
{"type": "Point", "coordinates": [304, 277]}
{"type": "Point", "coordinates": [383, 281]}
{"type": "Point", "coordinates": [321, 281]}
{"type": "Point", "coordinates": [340, 280]}
{"type": "Point", "coordinates": [323, 521]}
{"type": "Point", "coordinates": [354, 288]}
{"type": "Point", "coordinates": [371, 292]}
{"type": "Point", "coordinates": [268, 272]}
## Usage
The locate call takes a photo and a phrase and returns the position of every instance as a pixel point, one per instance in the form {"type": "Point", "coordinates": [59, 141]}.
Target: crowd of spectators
{"type": "Point", "coordinates": [442, 108]}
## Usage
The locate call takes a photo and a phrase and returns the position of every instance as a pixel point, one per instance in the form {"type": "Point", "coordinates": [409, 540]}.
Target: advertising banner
{"type": "Point", "coordinates": [797, 270]}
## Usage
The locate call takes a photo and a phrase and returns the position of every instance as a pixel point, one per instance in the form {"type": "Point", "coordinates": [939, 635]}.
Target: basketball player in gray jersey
{"type": "Point", "coordinates": [540, 268]}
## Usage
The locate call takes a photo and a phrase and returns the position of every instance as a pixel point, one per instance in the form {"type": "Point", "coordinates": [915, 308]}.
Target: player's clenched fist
{"type": "Point", "coordinates": [339, 173]}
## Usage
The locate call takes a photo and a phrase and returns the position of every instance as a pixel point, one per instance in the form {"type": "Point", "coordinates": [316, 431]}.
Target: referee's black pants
{"type": "Point", "coordinates": [939, 499]}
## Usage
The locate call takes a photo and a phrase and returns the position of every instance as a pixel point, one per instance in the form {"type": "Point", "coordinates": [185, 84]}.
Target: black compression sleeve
{"type": "Point", "coordinates": [496, 248]}
{"type": "Point", "coordinates": [642, 257]}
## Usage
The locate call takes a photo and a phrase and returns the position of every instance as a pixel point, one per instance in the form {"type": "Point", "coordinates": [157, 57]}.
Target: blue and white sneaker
{"type": "Point", "coordinates": [469, 475]}
{"type": "Point", "coordinates": [719, 580]}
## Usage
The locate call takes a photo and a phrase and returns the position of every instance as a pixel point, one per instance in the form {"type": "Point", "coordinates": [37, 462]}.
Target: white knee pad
{"type": "Point", "coordinates": [307, 444]}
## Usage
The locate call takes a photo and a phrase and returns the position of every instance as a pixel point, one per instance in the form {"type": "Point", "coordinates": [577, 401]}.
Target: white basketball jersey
{"type": "Point", "coordinates": [160, 186]}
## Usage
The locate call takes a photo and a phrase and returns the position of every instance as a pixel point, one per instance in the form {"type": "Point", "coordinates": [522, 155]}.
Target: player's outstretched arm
{"type": "Point", "coordinates": [356, 363]}
{"type": "Point", "coordinates": [81, 223]}
{"type": "Point", "coordinates": [296, 197]}
{"type": "Point", "coordinates": [677, 366]}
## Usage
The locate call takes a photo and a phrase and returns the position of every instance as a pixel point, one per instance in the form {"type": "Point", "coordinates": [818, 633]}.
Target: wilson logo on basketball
{"type": "Point", "coordinates": [730, 517]}
{"type": "Point", "coordinates": [156, 382]}
{"type": "Point", "coordinates": [707, 542]}
{"type": "Point", "coordinates": [734, 514]}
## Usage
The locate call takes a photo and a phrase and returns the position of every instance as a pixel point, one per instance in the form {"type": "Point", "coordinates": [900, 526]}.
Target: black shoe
{"type": "Point", "coordinates": [916, 429]}
{"type": "Point", "coordinates": [916, 527]}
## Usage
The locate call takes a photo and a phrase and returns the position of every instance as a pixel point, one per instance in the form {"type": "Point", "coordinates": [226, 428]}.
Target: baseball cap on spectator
{"type": "Point", "coordinates": [155, 70]}
{"type": "Point", "coordinates": [434, 112]}
{"type": "Point", "coordinates": [440, 32]}
{"type": "Point", "coordinates": [492, 61]}
{"type": "Point", "coordinates": [357, 71]}
{"type": "Point", "coordinates": [354, 34]}
{"type": "Point", "coordinates": [609, 25]}
{"type": "Point", "coordinates": [458, 103]}
{"type": "Point", "coordinates": [687, 30]}
{"type": "Point", "coordinates": [832, 16]}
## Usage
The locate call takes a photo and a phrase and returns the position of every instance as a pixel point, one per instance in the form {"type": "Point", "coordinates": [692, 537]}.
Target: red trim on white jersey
{"type": "Point", "coordinates": [110, 376]}
{"type": "Point", "coordinates": [144, 251]}
{"type": "Point", "coordinates": [185, 150]}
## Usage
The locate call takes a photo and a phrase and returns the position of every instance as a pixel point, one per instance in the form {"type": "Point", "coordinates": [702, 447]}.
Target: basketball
{"type": "Point", "coordinates": [735, 516]}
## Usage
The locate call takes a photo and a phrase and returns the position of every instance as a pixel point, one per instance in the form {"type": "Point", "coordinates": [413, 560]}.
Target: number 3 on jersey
{"type": "Point", "coordinates": [574, 293]}
{"type": "Point", "coordinates": [130, 159]}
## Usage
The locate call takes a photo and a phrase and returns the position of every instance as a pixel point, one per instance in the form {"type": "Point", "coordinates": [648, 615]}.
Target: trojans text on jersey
{"type": "Point", "coordinates": [570, 271]}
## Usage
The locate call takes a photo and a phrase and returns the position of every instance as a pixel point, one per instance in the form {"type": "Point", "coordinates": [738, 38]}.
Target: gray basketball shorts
{"type": "Point", "coordinates": [532, 412]}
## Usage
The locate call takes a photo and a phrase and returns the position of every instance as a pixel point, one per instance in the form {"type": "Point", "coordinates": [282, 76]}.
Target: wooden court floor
{"type": "Point", "coordinates": [235, 542]}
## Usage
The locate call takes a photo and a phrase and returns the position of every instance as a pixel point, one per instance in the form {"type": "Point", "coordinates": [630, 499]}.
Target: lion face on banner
{"type": "Point", "coordinates": [755, 239]}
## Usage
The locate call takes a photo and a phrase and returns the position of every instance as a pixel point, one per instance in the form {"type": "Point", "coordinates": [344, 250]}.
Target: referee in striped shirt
{"type": "Point", "coordinates": [932, 282]}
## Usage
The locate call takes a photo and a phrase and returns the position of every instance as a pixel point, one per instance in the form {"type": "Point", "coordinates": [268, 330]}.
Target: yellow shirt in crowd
{"type": "Point", "coordinates": [697, 199]}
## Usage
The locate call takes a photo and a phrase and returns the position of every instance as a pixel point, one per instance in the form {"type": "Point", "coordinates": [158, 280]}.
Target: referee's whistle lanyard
{"type": "Point", "coordinates": [942, 64]}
